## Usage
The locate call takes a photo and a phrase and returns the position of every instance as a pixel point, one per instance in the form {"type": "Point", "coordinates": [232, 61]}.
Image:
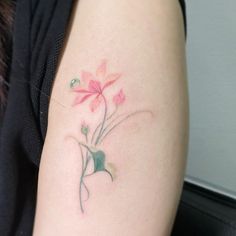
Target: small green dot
{"type": "Point", "coordinates": [74, 82]}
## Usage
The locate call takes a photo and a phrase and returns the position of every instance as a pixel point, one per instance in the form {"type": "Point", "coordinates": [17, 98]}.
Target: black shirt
{"type": "Point", "coordinates": [39, 30]}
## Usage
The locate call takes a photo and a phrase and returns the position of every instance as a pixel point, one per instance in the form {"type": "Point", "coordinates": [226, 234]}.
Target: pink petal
{"type": "Point", "coordinates": [113, 76]}
{"type": "Point", "coordinates": [102, 69]}
{"type": "Point", "coordinates": [109, 83]}
{"type": "Point", "coordinates": [86, 76]}
{"type": "Point", "coordinates": [94, 86]}
{"type": "Point", "coordinates": [80, 100]}
{"type": "Point", "coordinates": [119, 98]}
{"type": "Point", "coordinates": [79, 90]}
{"type": "Point", "coordinates": [95, 103]}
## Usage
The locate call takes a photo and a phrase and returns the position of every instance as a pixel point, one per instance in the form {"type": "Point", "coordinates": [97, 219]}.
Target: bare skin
{"type": "Point", "coordinates": [115, 151]}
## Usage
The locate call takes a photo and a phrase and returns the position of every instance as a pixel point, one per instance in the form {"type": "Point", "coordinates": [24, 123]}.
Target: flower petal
{"type": "Point", "coordinates": [80, 99]}
{"type": "Point", "coordinates": [79, 90]}
{"type": "Point", "coordinates": [94, 86]}
{"type": "Point", "coordinates": [86, 76]}
{"type": "Point", "coordinates": [95, 103]}
{"type": "Point", "coordinates": [113, 76]}
{"type": "Point", "coordinates": [119, 98]}
{"type": "Point", "coordinates": [102, 70]}
{"type": "Point", "coordinates": [109, 83]}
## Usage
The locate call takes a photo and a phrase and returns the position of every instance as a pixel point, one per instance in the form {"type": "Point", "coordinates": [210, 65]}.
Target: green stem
{"type": "Point", "coordinates": [82, 156]}
{"type": "Point", "coordinates": [82, 183]}
{"type": "Point", "coordinates": [99, 125]}
{"type": "Point", "coordinates": [84, 168]}
{"type": "Point", "coordinates": [120, 122]}
{"type": "Point", "coordinates": [86, 146]}
{"type": "Point", "coordinates": [95, 131]}
{"type": "Point", "coordinates": [109, 124]}
{"type": "Point", "coordinates": [108, 172]}
{"type": "Point", "coordinates": [112, 114]}
{"type": "Point", "coordinates": [103, 122]}
{"type": "Point", "coordinates": [86, 188]}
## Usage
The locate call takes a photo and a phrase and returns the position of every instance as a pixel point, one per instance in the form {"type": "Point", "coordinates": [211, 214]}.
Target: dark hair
{"type": "Point", "coordinates": [6, 21]}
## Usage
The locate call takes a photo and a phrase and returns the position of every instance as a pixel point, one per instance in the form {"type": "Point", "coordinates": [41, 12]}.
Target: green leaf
{"type": "Point", "coordinates": [99, 161]}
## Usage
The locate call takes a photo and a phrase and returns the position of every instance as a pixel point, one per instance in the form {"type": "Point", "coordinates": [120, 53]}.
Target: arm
{"type": "Point", "coordinates": [114, 155]}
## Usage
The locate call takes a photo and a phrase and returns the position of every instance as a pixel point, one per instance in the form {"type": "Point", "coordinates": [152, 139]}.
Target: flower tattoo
{"type": "Point", "coordinates": [92, 88]}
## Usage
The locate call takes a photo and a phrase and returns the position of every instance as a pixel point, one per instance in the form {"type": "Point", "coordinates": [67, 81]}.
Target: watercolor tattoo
{"type": "Point", "coordinates": [92, 88]}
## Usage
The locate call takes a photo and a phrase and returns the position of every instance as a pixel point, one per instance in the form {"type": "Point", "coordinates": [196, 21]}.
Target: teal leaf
{"type": "Point", "coordinates": [99, 161]}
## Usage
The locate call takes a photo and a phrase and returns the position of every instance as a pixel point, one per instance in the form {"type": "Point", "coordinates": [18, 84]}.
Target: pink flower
{"type": "Point", "coordinates": [119, 98]}
{"type": "Point", "coordinates": [93, 86]}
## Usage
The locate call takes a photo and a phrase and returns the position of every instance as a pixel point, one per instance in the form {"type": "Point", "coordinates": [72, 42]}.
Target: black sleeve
{"type": "Point", "coordinates": [38, 34]}
{"type": "Point", "coordinates": [183, 7]}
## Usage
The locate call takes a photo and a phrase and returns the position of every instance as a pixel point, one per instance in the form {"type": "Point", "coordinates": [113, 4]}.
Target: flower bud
{"type": "Point", "coordinates": [84, 128]}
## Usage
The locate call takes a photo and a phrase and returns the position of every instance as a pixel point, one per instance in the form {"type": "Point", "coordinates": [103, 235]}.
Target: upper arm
{"type": "Point", "coordinates": [114, 154]}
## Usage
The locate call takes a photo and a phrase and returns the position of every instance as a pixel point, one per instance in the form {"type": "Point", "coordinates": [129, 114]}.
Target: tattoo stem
{"type": "Point", "coordinates": [108, 118]}
{"type": "Point", "coordinates": [82, 156]}
{"type": "Point", "coordinates": [84, 168]}
{"type": "Point", "coordinates": [120, 122]}
{"type": "Point", "coordinates": [82, 183]}
{"type": "Point", "coordinates": [104, 120]}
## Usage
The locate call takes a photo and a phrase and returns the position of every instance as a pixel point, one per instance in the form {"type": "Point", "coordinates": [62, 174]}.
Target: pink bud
{"type": "Point", "coordinates": [119, 98]}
